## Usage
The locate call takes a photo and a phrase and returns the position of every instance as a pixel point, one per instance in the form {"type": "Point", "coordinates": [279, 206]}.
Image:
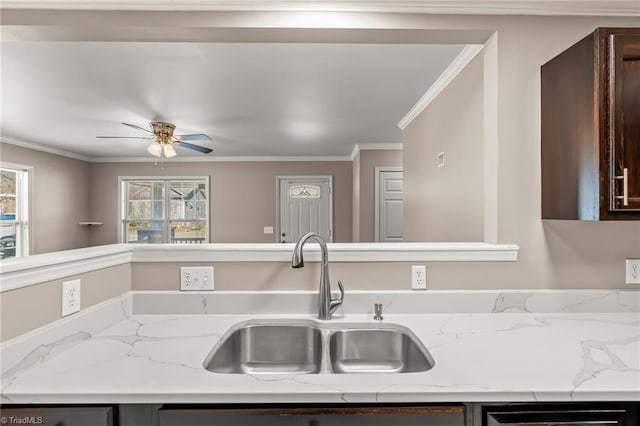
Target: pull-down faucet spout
{"type": "Point", "coordinates": [326, 305]}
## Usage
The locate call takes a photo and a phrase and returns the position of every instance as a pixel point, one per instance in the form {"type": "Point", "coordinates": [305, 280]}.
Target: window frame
{"type": "Point", "coordinates": [24, 201]}
{"type": "Point", "coordinates": [166, 220]}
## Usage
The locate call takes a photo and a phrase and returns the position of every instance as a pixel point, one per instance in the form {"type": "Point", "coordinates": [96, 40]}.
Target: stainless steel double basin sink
{"type": "Point", "coordinates": [312, 347]}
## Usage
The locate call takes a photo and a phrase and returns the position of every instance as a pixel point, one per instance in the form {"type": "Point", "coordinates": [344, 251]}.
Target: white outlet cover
{"type": "Point", "coordinates": [633, 271]}
{"type": "Point", "coordinates": [418, 277]}
{"type": "Point", "coordinates": [70, 297]}
{"type": "Point", "coordinates": [196, 278]}
{"type": "Point", "coordinates": [268, 229]}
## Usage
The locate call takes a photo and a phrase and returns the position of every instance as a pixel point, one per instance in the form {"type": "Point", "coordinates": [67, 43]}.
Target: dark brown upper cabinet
{"type": "Point", "coordinates": [591, 128]}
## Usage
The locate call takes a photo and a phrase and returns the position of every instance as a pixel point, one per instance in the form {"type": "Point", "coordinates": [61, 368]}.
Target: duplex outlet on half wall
{"type": "Point", "coordinates": [70, 297]}
{"type": "Point", "coordinates": [418, 277]}
{"type": "Point", "coordinates": [633, 271]}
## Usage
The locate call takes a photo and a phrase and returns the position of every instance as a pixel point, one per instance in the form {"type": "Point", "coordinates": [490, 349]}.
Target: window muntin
{"type": "Point", "coordinates": [165, 210]}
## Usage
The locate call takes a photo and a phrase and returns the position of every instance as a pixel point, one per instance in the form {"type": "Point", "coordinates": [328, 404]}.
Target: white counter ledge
{"type": "Point", "coordinates": [35, 269]}
{"type": "Point", "coordinates": [564, 355]}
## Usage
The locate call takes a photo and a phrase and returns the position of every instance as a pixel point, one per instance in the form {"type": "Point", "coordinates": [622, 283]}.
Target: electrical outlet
{"type": "Point", "coordinates": [633, 271]}
{"type": "Point", "coordinates": [196, 278]}
{"type": "Point", "coordinates": [70, 297]}
{"type": "Point", "coordinates": [418, 277]}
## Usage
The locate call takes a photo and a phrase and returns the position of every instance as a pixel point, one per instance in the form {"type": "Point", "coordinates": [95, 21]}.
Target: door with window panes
{"type": "Point", "coordinates": [165, 210]}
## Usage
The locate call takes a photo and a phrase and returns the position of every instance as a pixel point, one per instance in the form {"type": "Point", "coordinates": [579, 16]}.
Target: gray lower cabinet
{"type": "Point", "coordinates": [325, 416]}
{"type": "Point", "coordinates": [454, 414]}
{"type": "Point", "coordinates": [57, 416]}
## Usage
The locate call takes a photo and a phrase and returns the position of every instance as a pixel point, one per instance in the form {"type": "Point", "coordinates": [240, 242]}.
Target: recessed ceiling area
{"type": "Point", "coordinates": [252, 99]}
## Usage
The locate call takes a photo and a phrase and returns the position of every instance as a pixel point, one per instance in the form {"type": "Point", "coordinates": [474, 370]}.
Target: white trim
{"type": "Point", "coordinates": [376, 197]}
{"type": "Point", "coordinates": [35, 269]}
{"type": "Point", "coordinates": [379, 146]}
{"type": "Point", "coordinates": [176, 159]}
{"type": "Point", "coordinates": [338, 252]}
{"type": "Point", "coordinates": [354, 152]}
{"type": "Point", "coordinates": [478, 7]}
{"type": "Point", "coordinates": [40, 268]}
{"type": "Point", "coordinates": [42, 148]}
{"type": "Point", "coordinates": [328, 178]}
{"type": "Point", "coordinates": [373, 147]}
{"type": "Point", "coordinates": [24, 207]}
{"type": "Point", "coordinates": [221, 159]}
{"type": "Point", "coordinates": [464, 57]}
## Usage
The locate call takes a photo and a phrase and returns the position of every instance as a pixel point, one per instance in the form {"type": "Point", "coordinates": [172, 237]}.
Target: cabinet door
{"type": "Point", "coordinates": [58, 416]}
{"type": "Point", "coordinates": [319, 416]}
{"type": "Point", "coordinates": [624, 113]}
{"type": "Point", "coordinates": [533, 417]}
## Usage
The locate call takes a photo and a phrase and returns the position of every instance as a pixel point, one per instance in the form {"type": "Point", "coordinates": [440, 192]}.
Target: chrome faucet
{"type": "Point", "coordinates": [326, 305]}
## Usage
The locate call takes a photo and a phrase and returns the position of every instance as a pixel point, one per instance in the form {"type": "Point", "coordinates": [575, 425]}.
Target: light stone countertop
{"type": "Point", "coordinates": [478, 357]}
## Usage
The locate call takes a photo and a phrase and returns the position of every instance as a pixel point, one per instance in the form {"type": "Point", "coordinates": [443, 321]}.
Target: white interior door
{"type": "Point", "coordinates": [389, 223]}
{"type": "Point", "coordinates": [304, 206]}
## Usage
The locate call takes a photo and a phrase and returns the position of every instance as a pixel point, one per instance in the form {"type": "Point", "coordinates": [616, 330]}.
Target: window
{"type": "Point", "coordinates": [14, 213]}
{"type": "Point", "coordinates": [165, 210]}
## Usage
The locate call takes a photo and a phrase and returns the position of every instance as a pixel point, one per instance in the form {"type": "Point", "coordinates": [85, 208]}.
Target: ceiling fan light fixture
{"type": "Point", "coordinates": [163, 137]}
{"type": "Point", "coordinates": [155, 149]}
{"type": "Point", "coordinates": [169, 151]}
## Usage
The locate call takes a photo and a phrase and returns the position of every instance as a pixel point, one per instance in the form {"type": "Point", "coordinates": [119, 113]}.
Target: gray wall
{"type": "Point", "coordinates": [27, 308]}
{"type": "Point", "coordinates": [364, 189]}
{"type": "Point", "coordinates": [554, 254]}
{"type": "Point", "coordinates": [243, 195]}
{"type": "Point", "coordinates": [60, 190]}
{"type": "Point", "coordinates": [446, 203]}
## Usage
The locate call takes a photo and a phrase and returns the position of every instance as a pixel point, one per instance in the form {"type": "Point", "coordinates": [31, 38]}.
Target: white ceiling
{"type": "Point", "coordinates": [252, 99]}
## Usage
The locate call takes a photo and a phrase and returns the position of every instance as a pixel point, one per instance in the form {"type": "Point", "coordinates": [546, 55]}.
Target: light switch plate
{"type": "Point", "coordinates": [196, 278]}
{"type": "Point", "coordinates": [70, 297]}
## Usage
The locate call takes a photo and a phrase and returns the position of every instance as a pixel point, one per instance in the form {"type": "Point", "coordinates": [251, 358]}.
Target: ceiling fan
{"type": "Point", "coordinates": [163, 139]}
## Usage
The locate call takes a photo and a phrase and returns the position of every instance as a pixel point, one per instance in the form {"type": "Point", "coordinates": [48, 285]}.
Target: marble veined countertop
{"type": "Point", "coordinates": [497, 356]}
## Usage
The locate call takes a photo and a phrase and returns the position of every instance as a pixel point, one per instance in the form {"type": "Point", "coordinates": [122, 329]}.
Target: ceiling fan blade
{"type": "Point", "coordinates": [193, 137]}
{"type": "Point", "coordinates": [193, 147]}
{"type": "Point", "coordinates": [134, 126]}
{"type": "Point", "coordinates": [122, 137]}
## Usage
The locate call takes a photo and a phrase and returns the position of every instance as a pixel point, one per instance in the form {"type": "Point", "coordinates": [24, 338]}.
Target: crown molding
{"type": "Point", "coordinates": [203, 159]}
{"type": "Point", "coordinates": [183, 159]}
{"type": "Point", "coordinates": [177, 159]}
{"type": "Point", "coordinates": [478, 7]}
{"type": "Point", "coordinates": [43, 148]}
{"type": "Point", "coordinates": [462, 60]}
{"type": "Point", "coordinates": [373, 147]}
